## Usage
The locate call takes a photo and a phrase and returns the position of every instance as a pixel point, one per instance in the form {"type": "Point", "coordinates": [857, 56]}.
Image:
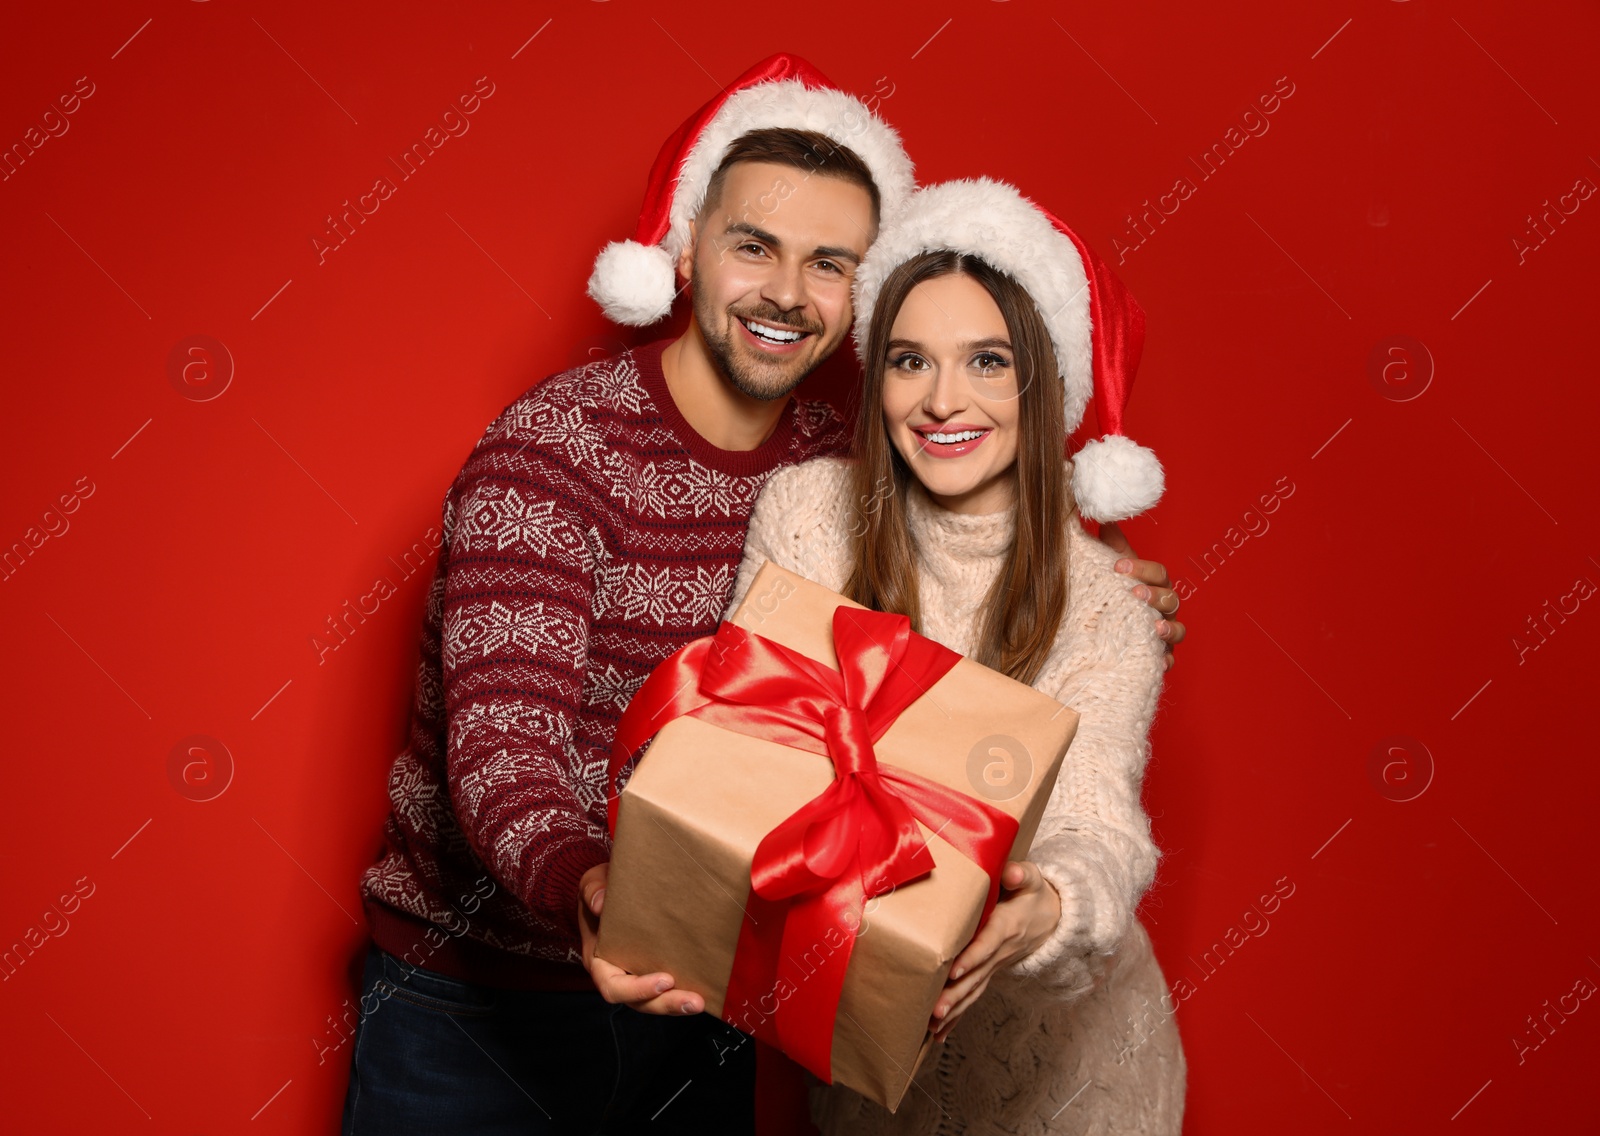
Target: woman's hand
{"type": "Point", "coordinates": [1027, 913]}
{"type": "Point", "coordinates": [1154, 589]}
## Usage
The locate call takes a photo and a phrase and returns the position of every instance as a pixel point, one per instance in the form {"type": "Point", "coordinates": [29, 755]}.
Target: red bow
{"type": "Point", "coordinates": [858, 839]}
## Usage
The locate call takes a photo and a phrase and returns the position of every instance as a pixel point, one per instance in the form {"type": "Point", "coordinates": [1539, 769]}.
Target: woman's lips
{"type": "Point", "coordinates": [951, 449]}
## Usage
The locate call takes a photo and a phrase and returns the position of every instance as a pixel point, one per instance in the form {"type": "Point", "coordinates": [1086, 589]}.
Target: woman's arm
{"type": "Point", "coordinates": [1093, 857]}
{"type": "Point", "coordinates": [1094, 846]}
{"type": "Point", "coordinates": [794, 524]}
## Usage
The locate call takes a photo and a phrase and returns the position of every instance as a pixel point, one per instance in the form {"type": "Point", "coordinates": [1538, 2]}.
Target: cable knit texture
{"type": "Point", "coordinates": [1079, 1036]}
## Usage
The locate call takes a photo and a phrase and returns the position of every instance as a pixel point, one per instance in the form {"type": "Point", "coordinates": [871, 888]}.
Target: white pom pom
{"type": "Point", "coordinates": [1115, 478]}
{"type": "Point", "coordinates": [633, 283]}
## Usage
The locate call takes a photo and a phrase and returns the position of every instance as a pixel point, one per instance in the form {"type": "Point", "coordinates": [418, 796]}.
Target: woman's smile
{"type": "Point", "coordinates": [951, 439]}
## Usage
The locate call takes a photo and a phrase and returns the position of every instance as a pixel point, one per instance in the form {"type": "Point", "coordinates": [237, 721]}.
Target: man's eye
{"type": "Point", "coordinates": [828, 266]}
{"type": "Point", "coordinates": [753, 248]}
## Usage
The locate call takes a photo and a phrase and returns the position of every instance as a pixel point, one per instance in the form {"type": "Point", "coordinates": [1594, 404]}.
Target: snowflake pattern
{"type": "Point", "coordinates": [672, 595]}
{"type": "Point", "coordinates": [505, 717]}
{"type": "Point", "coordinates": [514, 839]}
{"type": "Point", "coordinates": [435, 613]}
{"type": "Point", "coordinates": [607, 573]}
{"type": "Point", "coordinates": [569, 428]}
{"type": "Point", "coordinates": [611, 687]}
{"type": "Point", "coordinates": [616, 383]}
{"type": "Point", "coordinates": [498, 516]}
{"type": "Point", "coordinates": [503, 768]}
{"type": "Point", "coordinates": [430, 692]}
{"type": "Point", "coordinates": [485, 628]}
{"type": "Point", "coordinates": [661, 555]}
{"type": "Point", "coordinates": [592, 781]}
{"type": "Point", "coordinates": [817, 419]}
{"type": "Point", "coordinates": [415, 792]}
{"type": "Point", "coordinates": [679, 488]}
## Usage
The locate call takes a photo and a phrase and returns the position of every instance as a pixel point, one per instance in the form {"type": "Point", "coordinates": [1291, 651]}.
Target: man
{"type": "Point", "coordinates": [594, 530]}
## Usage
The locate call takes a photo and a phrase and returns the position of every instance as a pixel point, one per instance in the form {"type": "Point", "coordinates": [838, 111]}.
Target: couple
{"type": "Point", "coordinates": [600, 524]}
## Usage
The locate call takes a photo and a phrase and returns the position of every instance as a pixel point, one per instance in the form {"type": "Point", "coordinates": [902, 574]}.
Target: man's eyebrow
{"type": "Point", "coordinates": [829, 252]}
{"type": "Point", "coordinates": [835, 252]}
{"type": "Point", "coordinates": [749, 230]}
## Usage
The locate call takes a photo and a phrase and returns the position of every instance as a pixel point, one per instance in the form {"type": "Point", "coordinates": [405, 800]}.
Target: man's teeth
{"type": "Point", "coordinates": [949, 439]}
{"type": "Point", "coordinates": [773, 334]}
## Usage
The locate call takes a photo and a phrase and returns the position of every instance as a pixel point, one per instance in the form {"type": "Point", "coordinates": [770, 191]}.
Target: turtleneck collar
{"type": "Point", "coordinates": [951, 545]}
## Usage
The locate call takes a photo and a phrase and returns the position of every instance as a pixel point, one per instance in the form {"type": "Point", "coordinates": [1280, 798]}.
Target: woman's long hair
{"type": "Point", "coordinates": [1023, 610]}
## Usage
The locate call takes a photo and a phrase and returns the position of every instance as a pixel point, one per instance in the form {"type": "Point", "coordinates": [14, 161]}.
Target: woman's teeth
{"type": "Point", "coordinates": [772, 334]}
{"type": "Point", "coordinates": [950, 439]}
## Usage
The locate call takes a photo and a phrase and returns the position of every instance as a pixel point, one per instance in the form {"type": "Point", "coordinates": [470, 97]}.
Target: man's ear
{"type": "Point", "coordinates": [686, 254]}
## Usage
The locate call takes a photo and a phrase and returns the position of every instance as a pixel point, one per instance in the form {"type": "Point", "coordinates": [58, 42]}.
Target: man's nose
{"type": "Point", "coordinates": [785, 286]}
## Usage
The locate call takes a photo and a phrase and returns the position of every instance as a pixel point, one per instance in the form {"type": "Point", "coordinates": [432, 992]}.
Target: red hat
{"type": "Point", "coordinates": [1096, 326]}
{"type": "Point", "coordinates": [635, 281]}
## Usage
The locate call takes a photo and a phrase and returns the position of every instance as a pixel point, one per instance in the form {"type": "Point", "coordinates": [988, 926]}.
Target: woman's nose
{"type": "Point", "coordinates": [947, 394]}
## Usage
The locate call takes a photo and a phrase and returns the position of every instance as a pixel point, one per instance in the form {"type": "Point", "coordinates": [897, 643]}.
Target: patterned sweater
{"type": "Point", "coordinates": [1090, 1006]}
{"type": "Point", "coordinates": [591, 533]}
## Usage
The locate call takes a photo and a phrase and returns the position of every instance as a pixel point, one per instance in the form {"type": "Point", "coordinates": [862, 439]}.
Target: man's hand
{"type": "Point", "coordinates": [649, 993]}
{"type": "Point", "coordinates": [1027, 913]}
{"type": "Point", "coordinates": [1155, 589]}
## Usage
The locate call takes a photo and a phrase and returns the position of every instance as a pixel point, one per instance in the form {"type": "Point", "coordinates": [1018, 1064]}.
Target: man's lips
{"type": "Point", "coordinates": [951, 439]}
{"type": "Point", "coordinates": [773, 338]}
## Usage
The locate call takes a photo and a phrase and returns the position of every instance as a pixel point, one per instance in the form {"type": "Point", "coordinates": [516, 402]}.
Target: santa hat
{"type": "Point", "coordinates": [635, 281]}
{"type": "Point", "coordinates": [1096, 327]}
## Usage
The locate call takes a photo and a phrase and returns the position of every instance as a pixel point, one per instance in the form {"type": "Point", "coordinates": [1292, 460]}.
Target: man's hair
{"type": "Point", "coordinates": [800, 149]}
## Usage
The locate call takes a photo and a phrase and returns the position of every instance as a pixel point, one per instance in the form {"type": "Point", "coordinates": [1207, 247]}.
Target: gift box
{"type": "Point", "coordinates": [817, 824]}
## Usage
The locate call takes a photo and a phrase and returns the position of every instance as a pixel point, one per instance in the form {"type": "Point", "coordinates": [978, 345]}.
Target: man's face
{"type": "Point", "coordinates": [770, 265]}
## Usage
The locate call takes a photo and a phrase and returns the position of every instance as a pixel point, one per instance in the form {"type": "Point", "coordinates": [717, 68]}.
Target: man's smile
{"type": "Point", "coordinates": [773, 337]}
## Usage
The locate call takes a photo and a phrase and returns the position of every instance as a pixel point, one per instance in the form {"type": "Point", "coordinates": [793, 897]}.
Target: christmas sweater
{"type": "Point", "coordinates": [591, 533]}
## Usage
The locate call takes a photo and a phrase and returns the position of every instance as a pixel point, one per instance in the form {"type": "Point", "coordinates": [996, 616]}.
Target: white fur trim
{"type": "Point", "coordinates": [790, 103]}
{"type": "Point", "coordinates": [991, 220]}
{"type": "Point", "coordinates": [1115, 478]}
{"type": "Point", "coordinates": [633, 284]}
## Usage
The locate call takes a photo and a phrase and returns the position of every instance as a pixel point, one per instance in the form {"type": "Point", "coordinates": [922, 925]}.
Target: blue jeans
{"type": "Point", "coordinates": [434, 1054]}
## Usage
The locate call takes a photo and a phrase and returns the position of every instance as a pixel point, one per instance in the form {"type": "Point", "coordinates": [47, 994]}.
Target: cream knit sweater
{"type": "Point", "coordinates": [1078, 1037]}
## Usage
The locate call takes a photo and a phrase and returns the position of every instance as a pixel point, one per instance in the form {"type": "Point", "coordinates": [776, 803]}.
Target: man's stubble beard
{"type": "Point", "coordinates": [744, 379]}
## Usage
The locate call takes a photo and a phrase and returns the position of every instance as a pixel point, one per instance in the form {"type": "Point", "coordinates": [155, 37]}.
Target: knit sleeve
{"type": "Point", "coordinates": [799, 522]}
{"type": "Point", "coordinates": [519, 596]}
{"type": "Point", "coordinates": [1094, 844]}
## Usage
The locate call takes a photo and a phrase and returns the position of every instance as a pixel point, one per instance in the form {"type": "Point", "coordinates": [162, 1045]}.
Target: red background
{"type": "Point", "coordinates": [1429, 519]}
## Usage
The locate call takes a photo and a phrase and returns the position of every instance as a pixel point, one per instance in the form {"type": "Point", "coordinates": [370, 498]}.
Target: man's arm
{"type": "Point", "coordinates": [518, 606]}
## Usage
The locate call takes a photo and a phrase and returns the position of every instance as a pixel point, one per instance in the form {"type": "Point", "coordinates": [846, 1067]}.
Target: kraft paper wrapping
{"type": "Point", "coordinates": [702, 798]}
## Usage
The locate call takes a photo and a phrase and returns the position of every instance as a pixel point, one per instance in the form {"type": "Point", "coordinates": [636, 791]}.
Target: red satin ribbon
{"type": "Point", "coordinates": [858, 839]}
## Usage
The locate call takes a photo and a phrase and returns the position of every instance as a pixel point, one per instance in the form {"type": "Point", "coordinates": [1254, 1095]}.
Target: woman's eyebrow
{"type": "Point", "coordinates": [970, 345]}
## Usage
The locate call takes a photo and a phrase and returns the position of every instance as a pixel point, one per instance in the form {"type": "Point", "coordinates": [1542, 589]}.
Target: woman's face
{"type": "Point", "coordinates": [950, 394]}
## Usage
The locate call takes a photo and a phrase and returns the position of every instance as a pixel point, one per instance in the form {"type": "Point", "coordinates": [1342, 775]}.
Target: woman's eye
{"type": "Point", "coordinates": [908, 362]}
{"type": "Point", "coordinates": [988, 362]}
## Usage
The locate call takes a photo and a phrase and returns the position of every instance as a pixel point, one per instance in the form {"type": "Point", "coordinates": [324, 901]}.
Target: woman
{"type": "Point", "coordinates": [974, 313]}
